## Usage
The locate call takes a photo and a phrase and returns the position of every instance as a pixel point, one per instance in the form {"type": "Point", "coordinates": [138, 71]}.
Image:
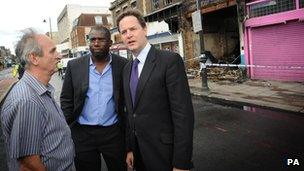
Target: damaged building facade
{"type": "Point", "coordinates": [170, 27]}
{"type": "Point", "coordinates": [231, 30]}
{"type": "Point", "coordinates": [222, 31]}
{"type": "Point", "coordinates": [116, 8]}
{"type": "Point", "coordinates": [163, 18]}
{"type": "Point", "coordinates": [162, 22]}
{"type": "Point", "coordinates": [81, 29]}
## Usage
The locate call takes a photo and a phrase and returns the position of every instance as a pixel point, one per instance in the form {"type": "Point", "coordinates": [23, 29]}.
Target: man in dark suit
{"type": "Point", "coordinates": [160, 112]}
{"type": "Point", "coordinates": [92, 102]}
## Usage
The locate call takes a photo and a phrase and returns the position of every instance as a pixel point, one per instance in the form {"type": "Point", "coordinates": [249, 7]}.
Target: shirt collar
{"type": "Point", "coordinates": [37, 85]}
{"type": "Point", "coordinates": [142, 56]}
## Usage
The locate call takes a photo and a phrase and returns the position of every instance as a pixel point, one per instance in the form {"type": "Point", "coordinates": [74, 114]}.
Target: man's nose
{"type": "Point", "coordinates": [96, 42]}
{"type": "Point", "coordinates": [129, 34]}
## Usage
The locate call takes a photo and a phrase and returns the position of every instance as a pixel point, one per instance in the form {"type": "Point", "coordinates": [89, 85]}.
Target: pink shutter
{"type": "Point", "coordinates": [278, 45]}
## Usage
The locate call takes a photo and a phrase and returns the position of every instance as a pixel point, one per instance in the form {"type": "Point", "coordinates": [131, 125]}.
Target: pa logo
{"type": "Point", "coordinates": [292, 162]}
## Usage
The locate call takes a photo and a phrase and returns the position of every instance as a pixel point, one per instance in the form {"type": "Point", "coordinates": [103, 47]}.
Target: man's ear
{"type": "Point", "coordinates": [33, 58]}
{"type": "Point", "coordinates": [146, 30]}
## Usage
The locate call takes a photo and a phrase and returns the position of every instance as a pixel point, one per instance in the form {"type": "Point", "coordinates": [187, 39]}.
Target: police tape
{"type": "Point", "coordinates": [256, 66]}
{"type": "Point", "coordinates": [248, 66]}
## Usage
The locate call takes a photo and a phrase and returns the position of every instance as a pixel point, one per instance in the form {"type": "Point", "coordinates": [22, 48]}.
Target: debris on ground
{"type": "Point", "coordinates": [237, 75]}
{"type": "Point", "coordinates": [230, 74]}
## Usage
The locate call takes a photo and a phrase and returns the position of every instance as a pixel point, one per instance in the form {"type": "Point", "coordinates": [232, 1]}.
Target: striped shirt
{"type": "Point", "coordinates": [33, 124]}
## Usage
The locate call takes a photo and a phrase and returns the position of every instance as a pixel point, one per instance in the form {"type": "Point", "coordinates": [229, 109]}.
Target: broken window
{"type": "Point", "coordinates": [271, 7]}
{"type": "Point", "coordinates": [155, 4]}
{"type": "Point", "coordinates": [133, 4]}
{"type": "Point", "coordinates": [117, 12]}
{"type": "Point", "coordinates": [167, 2]}
{"type": "Point", "coordinates": [124, 8]}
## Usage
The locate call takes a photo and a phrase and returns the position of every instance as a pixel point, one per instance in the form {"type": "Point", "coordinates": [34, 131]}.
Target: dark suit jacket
{"type": "Point", "coordinates": [162, 118]}
{"type": "Point", "coordinates": [76, 84]}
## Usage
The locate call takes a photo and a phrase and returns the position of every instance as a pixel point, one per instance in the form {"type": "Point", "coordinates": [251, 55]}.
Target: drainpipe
{"type": "Point", "coordinates": [203, 57]}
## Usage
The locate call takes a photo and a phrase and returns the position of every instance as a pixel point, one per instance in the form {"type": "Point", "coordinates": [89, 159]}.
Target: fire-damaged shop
{"type": "Point", "coordinates": [170, 27]}
{"type": "Point", "coordinates": [222, 33]}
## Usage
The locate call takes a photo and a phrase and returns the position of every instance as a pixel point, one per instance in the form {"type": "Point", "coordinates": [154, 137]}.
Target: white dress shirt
{"type": "Point", "coordinates": [142, 56]}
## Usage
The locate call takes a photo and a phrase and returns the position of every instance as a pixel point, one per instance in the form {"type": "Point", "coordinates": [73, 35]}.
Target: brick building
{"type": "Point", "coordinates": [170, 27]}
{"type": "Point", "coordinates": [81, 28]}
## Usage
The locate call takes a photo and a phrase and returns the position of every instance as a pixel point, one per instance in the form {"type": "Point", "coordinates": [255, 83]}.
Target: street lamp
{"type": "Point", "coordinates": [203, 57]}
{"type": "Point", "coordinates": [51, 34]}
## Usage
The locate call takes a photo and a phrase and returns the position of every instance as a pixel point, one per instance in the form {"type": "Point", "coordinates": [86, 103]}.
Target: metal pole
{"type": "Point", "coordinates": [203, 72]}
{"type": "Point", "coordinates": [51, 34]}
{"type": "Point", "coordinates": [200, 33]}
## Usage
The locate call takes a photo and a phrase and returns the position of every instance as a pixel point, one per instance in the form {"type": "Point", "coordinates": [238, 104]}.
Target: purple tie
{"type": "Point", "coordinates": [134, 79]}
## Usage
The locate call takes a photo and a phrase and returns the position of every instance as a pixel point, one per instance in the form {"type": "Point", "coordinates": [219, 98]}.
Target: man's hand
{"type": "Point", "coordinates": [175, 169]}
{"type": "Point", "coordinates": [32, 163]}
{"type": "Point", "coordinates": [130, 160]}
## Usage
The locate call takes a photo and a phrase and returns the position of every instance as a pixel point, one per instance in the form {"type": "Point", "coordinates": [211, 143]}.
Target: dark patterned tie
{"type": "Point", "coordinates": [134, 79]}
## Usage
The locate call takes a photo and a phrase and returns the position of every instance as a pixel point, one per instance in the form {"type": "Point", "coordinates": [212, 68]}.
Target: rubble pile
{"type": "Point", "coordinates": [229, 74]}
{"type": "Point", "coordinates": [193, 73]}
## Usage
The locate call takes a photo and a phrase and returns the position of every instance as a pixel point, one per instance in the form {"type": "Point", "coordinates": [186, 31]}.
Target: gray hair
{"type": "Point", "coordinates": [28, 45]}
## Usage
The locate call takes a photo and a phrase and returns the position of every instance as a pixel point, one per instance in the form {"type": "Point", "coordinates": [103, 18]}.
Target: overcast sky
{"type": "Point", "coordinates": [16, 15]}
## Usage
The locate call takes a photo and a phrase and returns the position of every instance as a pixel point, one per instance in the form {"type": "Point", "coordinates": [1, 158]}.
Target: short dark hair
{"type": "Point", "coordinates": [103, 29]}
{"type": "Point", "coordinates": [132, 12]}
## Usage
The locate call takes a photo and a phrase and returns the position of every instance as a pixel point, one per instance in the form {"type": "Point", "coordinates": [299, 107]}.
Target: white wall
{"type": "Point", "coordinates": [62, 46]}
{"type": "Point", "coordinates": [71, 13]}
{"type": "Point", "coordinates": [157, 27]}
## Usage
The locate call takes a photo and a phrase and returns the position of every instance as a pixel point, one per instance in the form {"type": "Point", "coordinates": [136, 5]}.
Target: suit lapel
{"type": "Point", "coordinates": [115, 77]}
{"type": "Point", "coordinates": [85, 74]}
{"type": "Point", "coordinates": [145, 74]}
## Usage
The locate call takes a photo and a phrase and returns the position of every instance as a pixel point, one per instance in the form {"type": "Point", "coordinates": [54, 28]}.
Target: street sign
{"type": "Point", "coordinates": [197, 21]}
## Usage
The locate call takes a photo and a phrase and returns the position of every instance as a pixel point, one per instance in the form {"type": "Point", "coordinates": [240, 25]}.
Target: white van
{"type": "Point", "coordinates": [64, 62]}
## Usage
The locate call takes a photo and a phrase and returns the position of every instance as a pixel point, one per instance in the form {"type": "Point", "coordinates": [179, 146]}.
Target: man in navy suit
{"type": "Point", "coordinates": [92, 102]}
{"type": "Point", "coordinates": [160, 112]}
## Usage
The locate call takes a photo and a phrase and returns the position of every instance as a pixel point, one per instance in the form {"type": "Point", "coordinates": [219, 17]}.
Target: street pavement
{"type": "Point", "coordinates": [278, 95]}
{"type": "Point", "coordinates": [6, 80]}
{"type": "Point", "coordinates": [6, 73]}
